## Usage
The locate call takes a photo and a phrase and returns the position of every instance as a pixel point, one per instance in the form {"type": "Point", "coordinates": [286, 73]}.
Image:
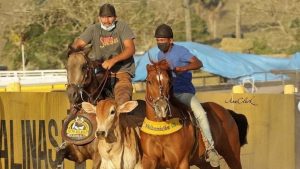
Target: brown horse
{"type": "Point", "coordinates": [83, 85]}
{"type": "Point", "coordinates": [83, 82]}
{"type": "Point", "coordinates": [185, 146]}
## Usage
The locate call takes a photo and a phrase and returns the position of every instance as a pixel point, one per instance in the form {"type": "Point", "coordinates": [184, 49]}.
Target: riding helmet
{"type": "Point", "coordinates": [163, 31]}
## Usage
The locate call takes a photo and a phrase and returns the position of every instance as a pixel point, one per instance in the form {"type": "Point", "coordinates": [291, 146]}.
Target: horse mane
{"type": "Point", "coordinates": [86, 50]}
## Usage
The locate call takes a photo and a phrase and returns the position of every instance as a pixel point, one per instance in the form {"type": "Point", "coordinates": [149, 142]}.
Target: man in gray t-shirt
{"type": "Point", "coordinates": [112, 42]}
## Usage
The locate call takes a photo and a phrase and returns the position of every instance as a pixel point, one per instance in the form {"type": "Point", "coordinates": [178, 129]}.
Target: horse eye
{"type": "Point", "coordinates": [148, 81]}
{"type": "Point", "coordinates": [84, 66]}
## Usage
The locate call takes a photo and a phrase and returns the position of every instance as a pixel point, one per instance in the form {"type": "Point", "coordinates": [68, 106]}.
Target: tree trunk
{"type": "Point", "coordinates": [188, 29]}
{"type": "Point", "coordinates": [215, 28]}
{"type": "Point", "coordinates": [215, 18]}
{"type": "Point", "coordinates": [210, 22]}
{"type": "Point", "coordinates": [238, 21]}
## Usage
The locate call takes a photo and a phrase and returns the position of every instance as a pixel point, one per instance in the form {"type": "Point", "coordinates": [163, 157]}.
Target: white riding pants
{"type": "Point", "coordinates": [191, 100]}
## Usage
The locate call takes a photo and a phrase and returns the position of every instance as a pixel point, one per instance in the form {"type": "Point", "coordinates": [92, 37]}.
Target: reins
{"type": "Point", "coordinates": [102, 85]}
{"type": "Point", "coordinates": [89, 70]}
{"type": "Point", "coordinates": [152, 102]}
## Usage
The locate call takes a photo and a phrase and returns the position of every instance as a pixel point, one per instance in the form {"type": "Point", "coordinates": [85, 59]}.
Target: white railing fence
{"type": "Point", "coordinates": [33, 77]}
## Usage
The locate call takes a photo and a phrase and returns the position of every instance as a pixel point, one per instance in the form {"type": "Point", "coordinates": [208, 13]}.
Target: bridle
{"type": "Point", "coordinates": [88, 76]}
{"type": "Point", "coordinates": [162, 96]}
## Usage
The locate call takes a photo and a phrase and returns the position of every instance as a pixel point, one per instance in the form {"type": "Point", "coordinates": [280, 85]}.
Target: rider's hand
{"type": "Point", "coordinates": [180, 69]}
{"type": "Point", "coordinates": [108, 64]}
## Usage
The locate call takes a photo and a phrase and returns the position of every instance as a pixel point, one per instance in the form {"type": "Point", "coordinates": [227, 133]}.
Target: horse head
{"type": "Point", "coordinates": [158, 85]}
{"type": "Point", "coordinates": [83, 84]}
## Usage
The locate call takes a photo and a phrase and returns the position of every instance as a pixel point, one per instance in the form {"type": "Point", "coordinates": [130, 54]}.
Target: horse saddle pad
{"type": "Point", "coordinates": [79, 128]}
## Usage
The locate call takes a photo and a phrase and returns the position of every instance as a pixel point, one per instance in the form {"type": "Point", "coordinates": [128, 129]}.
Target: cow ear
{"type": "Point", "coordinates": [88, 107]}
{"type": "Point", "coordinates": [127, 106]}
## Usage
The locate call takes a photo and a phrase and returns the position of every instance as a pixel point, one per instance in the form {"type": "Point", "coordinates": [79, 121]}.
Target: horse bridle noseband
{"type": "Point", "coordinates": [89, 69]}
{"type": "Point", "coordinates": [153, 102]}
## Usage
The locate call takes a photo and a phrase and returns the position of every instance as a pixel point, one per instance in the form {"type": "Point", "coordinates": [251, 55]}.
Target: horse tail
{"type": "Point", "coordinates": [242, 124]}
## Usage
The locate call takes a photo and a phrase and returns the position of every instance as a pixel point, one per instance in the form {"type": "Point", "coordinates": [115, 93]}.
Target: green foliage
{"type": "Point", "coordinates": [260, 47]}
{"type": "Point", "coordinates": [49, 50]}
{"type": "Point", "coordinates": [297, 35]}
{"type": "Point", "coordinates": [293, 49]}
{"type": "Point", "coordinates": [32, 31]}
{"type": "Point", "coordinates": [199, 29]}
{"type": "Point", "coordinates": [46, 51]}
{"type": "Point", "coordinates": [12, 58]}
{"type": "Point", "coordinates": [45, 40]}
{"type": "Point", "coordinates": [211, 3]}
{"type": "Point", "coordinates": [295, 23]}
{"type": "Point", "coordinates": [296, 47]}
{"type": "Point", "coordinates": [39, 2]}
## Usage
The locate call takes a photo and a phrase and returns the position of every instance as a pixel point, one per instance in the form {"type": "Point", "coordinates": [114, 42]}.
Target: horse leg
{"type": "Point", "coordinates": [231, 160]}
{"type": "Point", "coordinates": [70, 152]}
{"type": "Point", "coordinates": [229, 144]}
{"type": "Point", "coordinates": [60, 157]}
{"type": "Point", "coordinates": [184, 164]}
{"type": "Point", "coordinates": [61, 152]}
{"type": "Point", "coordinates": [149, 163]}
{"type": "Point", "coordinates": [96, 161]}
{"type": "Point", "coordinates": [231, 152]}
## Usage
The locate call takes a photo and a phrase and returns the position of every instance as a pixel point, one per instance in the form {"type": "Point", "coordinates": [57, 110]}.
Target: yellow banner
{"type": "Point", "coordinates": [30, 130]}
{"type": "Point", "coordinates": [30, 125]}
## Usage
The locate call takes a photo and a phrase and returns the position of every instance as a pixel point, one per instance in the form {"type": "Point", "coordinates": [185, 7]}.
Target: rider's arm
{"type": "Point", "coordinates": [78, 44]}
{"type": "Point", "coordinates": [129, 50]}
{"type": "Point", "coordinates": [193, 64]}
{"type": "Point", "coordinates": [84, 39]}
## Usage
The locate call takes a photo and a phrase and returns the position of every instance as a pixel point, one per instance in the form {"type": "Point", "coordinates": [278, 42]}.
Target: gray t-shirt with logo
{"type": "Point", "coordinates": [106, 44]}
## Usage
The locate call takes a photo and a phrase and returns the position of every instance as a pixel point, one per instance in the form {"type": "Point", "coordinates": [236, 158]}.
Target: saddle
{"type": "Point", "coordinates": [186, 110]}
{"type": "Point", "coordinates": [186, 113]}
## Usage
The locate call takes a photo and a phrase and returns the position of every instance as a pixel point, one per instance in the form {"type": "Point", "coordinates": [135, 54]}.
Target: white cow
{"type": "Point", "coordinates": [118, 142]}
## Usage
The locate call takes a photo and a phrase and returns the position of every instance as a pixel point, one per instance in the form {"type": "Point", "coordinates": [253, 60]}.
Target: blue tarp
{"type": "Point", "coordinates": [226, 64]}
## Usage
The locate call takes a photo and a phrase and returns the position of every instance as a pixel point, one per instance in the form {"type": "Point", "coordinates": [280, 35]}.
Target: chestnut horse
{"type": "Point", "coordinates": [185, 146]}
{"type": "Point", "coordinates": [83, 85]}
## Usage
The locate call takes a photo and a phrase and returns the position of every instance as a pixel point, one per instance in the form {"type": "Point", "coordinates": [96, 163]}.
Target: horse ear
{"type": "Point", "coordinates": [148, 67]}
{"type": "Point", "coordinates": [87, 49]}
{"type": "Point", "coordinates": [127, 106]}
{"type": "Point", "coordinates": [88, 107]}
{"type": "Point", "coordinates": [164, 64]}
{"type": "Point", "coordinates": [72, 50]}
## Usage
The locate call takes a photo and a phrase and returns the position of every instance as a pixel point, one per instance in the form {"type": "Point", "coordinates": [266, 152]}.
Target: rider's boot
{"type": "Point", "coordinates": [211, 154]}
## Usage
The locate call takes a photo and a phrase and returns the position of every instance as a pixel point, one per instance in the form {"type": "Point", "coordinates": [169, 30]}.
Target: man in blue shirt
{"type": "Point", "coordinates": [182, 61]}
